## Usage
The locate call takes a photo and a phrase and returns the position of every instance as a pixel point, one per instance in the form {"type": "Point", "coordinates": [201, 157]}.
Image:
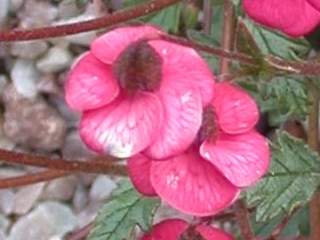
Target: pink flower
{"type": "Point", "coordinates": [232, 155]}
{"type": "Point", "coordinates": [294, 17]}
{"type": "Point", "coordinates": [138, 93]}
{"type": "Point", "coordinates": [174, 229]}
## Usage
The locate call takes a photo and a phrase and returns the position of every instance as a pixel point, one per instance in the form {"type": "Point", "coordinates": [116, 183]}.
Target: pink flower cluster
{"type": "Point", "coordinates": [173, 229]}
{"type": "Point", "coordinates": [189, 140]}
{"type": "Point", "coordinates": [293, 17]}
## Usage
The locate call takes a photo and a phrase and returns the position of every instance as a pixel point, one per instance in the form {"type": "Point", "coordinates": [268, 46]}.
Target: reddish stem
{"type": "Point", "coordinates": [228, 35]}
{"type": "Point", "coordinates": [94, 166]}
{"type": "Point", "coordinates": [31, 178]}
{"type": "Point", "coordinates": [243, 219]}
{"type": "Point", "coordinates": [85, 26]}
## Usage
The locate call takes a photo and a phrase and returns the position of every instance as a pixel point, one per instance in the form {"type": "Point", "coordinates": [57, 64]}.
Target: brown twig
{"type": "Point", "coordinates": [228, 35]}
{"type": "Point", "coordinates": [313, 141]}
{"type": "Point", "coordinates": [94, 166]}
{"type": "Point", "coordinates": [31, 178]}
{"type": "Point", "coordinates": [207, 16]}
{"type": "Point", "coordinates": [243, 219]}
{"type": "Point", "coordinates": [85, 26]}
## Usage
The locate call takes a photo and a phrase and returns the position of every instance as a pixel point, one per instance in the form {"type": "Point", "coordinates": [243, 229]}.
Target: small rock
{"type": "Point", "coordinates": [37, 14]}
{"type": "Point", "coordinates": [6, 201]}
{"type": "Point", "coordinates": [48, 85]}
{"type": "Point", "coordinates": [48, 220]}
{"type": "Point", "coordinates": [4, 10]}
{"type": "Point", "coordinates": [68, 9]}
{"type": "Point", "coordinates": [60, 189]}
{"type": "Point", "coordinates": [101, 188]}
{"type": "Point", "coordinates": [32, 123]}
{"type": "Point", "coordinates": [4, 223]}
{"type": "Point", "coordinates": [29, 50]}
{"type": "Point", "coordinates": [16, 5]}
{"type": "Point", "coordinates": [72, 118]}
{"type": "Point", "coordinates": [26, 197]}
{"type": "Point", "coordinates": [3, 83]}
{"type": "Point", "coordinates": [24, 76]}
{"type": "Point", "coordinates": [80, 198]}
{"type": "Point", "coordinates": [74, 148]}
{"type": "Point", "coordinates": [55, 60]}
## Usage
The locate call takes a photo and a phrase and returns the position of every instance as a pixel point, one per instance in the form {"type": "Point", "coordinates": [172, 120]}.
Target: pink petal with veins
{"type": "Point", "coordinates": [125, 127]}
{"type": "Point", "coordinates": [183, 64]}
{"type": "Point", "coordinates": [139, 173]}
{"type": "Point", "coordinates": [90, 84]}
{"type": "Point", "coordinates": [236, 111]}
{"type": "Point", "coordinates": [294, 17]}
{"type": "Point", "coordinates": [169, 229]}
{"type": "Point", "coordinates": [315, 4]}
{"type": "Point", "coordinates": [172, 229]}
{"type": "Point", "coordinates": [108, 46]}
{"type": "Point", "coordinates": [192, 185]}
{"type": "Point", "coordinates": [211, 233]}
{"type": "Point", "coordinates": [241, 158]}
{"type": "Point", "coordinates": [182, 119]}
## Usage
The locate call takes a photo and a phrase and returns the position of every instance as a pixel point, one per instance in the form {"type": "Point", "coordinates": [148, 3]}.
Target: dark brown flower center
{"type": "Point", "coordinates": [209, 128]}
{"type": "Point", "coordinates": [191, 234]}
{"type": "Point", "coordinates": [138, 67]}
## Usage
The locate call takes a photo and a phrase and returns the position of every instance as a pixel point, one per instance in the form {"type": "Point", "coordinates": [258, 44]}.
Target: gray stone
{"type": "Point", "coordinates": [24, 76]}
{"type": "Point", "coordinates": [46, 221]}
{"type": "Point", "coordinates": [6, 201]}
{"type": "Point", "coordinates": [4, 10]}
{"type": "Point", "coordinates": [29, 50]}
{"type": "Point", "coordinates": [74, 148]}
{"type": "Point", "coordinates": [26, 197]}
{"type": "Point", "coordinates": [32, 123]}
{"type": "Point", "coordinates": [56, 59]}
{"type": "Point", "coordinates": [60, 189]}
{"type": "Point", "coordinates": [37, 14]}
{"type": "Point", "coordinates": [80, 198]}
{"type": "Point", "coordinates": [102, 188]}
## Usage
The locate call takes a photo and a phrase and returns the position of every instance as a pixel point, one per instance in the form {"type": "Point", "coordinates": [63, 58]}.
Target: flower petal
{"type": "Point", "coordinates": [236, 111]}
{"type": "Point", "coordinates": [90, 84]}
{"type": "Point", "coordinates": [169, 229]}
{"type": "Point", "coordinates": [139, 173]}
{"type": "Point", "coordinates": [211, 233]}
{"type": "Point", "coordinates": [294, 17]}
{"type": "Point", "coordinates": [315, 4]}
{"type": "Point", "coordinates": [186, 65]}
{"type": "Point", "coordinates": [123, 128]}
{"type": "Point", "coordinates": [192, 185]}
{"type": "Point", "coordinates": [308, 19]}
{"type": "Point", "coordinates": [182, 120]}
{"type": "Point", "coordinates": [242, 158]}
{"type": "Point", "coordinates": [108, 46]}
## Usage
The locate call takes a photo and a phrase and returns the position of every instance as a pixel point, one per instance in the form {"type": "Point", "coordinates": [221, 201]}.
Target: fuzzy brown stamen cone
{"type": "Point", "coordinates": [138, 68]}
{"type": "Point", "coordinates": [208, 128]}
{"type": "Point", "coordinates": [191, 234]}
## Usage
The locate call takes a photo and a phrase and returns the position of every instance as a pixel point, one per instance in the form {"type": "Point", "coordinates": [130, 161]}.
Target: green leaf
{"type": "Point", "coordinates": [275, 43]}
{"type": "Point", "coordinates": [122, 213]}
{"type": "Point", "coordinates": [293, 177]}
{"type": "Point", "coordinates": [297, 225]}
{"type": "Point", "coordinates": [281, 97]}
{"type": "Point", "coordinates": [168, 18]}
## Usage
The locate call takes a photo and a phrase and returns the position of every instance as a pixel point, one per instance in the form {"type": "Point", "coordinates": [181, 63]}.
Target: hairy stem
{"type": "Point", "coordinates": [31, 178]}
{"type": "Point", "coordinates": [313, 141]}
{"type": "Point", "coordinates": [228, 35]}
{"type": "Point", "coordinates": [207, 16]}
{"type": "Point", "coordinates": [243, 219]}
{"type": "Point", "coordinates": [94, 166]}
{"type": "Point", "coordinates": [85, 26]}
